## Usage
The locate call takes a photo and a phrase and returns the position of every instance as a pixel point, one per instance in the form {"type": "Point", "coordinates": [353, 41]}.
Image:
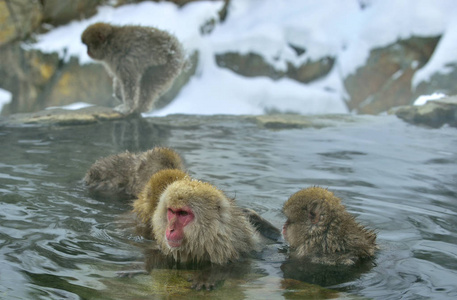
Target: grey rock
{"type": "Point", "coordinates": [432, 114]}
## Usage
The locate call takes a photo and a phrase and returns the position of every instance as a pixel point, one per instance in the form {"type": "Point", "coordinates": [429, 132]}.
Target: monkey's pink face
{"type": "Point", "coordinates": [93, 52]}
{"type": "Point", "coordinates": [177, 219]}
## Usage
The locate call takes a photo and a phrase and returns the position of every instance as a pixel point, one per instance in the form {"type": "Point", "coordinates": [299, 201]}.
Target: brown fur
{"type": "Point", "coordinates": [143, 61]}
{"type": "Point", "coordinates": [124, 175]}
{"type": "Point", "coordinates": [319, 228]}
{"type": "Point", "coordinates": [220, 232]}
{"type": "Point", "coordinates": [148, 198]}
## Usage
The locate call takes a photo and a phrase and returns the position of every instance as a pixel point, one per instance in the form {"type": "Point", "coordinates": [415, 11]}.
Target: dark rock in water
{"type": "Point", "coordinates": [433, 114]}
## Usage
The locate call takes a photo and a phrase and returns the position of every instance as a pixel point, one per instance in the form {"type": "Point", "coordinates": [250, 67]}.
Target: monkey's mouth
{"type": "Point", "coordinates": [174, 243]}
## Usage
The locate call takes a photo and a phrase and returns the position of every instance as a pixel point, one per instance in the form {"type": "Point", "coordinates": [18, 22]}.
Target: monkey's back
{"type": "Point", "coordinates": [112, 176]}
{"type": "Point", "coordinates": [146, 46]}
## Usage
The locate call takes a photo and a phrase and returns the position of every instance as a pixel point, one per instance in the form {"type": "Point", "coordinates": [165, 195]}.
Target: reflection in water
{"type": "Point", "coordinates": [57, 242]}
{"type": "Point", "coordinates": [323, 275]}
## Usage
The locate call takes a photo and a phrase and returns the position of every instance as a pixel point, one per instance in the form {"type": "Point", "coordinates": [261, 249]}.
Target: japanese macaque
{"type": "Point", "coordinates": [143, 62]}
{"type": "Point", "coordinates": [319, 228]}
{"type": "Point", "coordinates": [148, 198]}
{"type": "Point", "coordinates": [124, 175]}
{"type": "Point", "coordinates": [193, 222]}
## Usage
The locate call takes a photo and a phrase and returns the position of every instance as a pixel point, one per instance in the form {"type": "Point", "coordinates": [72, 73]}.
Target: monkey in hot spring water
{"type": "Point", "coordinates": [319, 228]}
{"type": "Point", "coordinates": [193, 223]}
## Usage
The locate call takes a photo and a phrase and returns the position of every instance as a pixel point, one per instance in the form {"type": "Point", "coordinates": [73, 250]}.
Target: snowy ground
{"type": "Point", "coordinates": [346, 29]}
{"type": "Point", "coordinates": [5, 98]}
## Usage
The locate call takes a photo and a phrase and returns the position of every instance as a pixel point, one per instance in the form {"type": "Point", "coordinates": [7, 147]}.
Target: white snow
{"type": "Point", "coordinates": [5, 98]}
{"type": "Point", "coordinates": [421, 100]}
{"type": "Point", "coordinates": [443, 56]}
{"type": "Point", "coordinates": [341, 29]}
{"type": "Point", "coordinates": [73, 106]}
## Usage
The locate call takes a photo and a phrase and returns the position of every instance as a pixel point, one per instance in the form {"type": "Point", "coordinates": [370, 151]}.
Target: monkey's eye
{"type": "Point", "coordinates": [182, 213]}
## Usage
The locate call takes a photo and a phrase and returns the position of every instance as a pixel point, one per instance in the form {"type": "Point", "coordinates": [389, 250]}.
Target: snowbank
{"type": "Point", "coordinates": [5, 98]}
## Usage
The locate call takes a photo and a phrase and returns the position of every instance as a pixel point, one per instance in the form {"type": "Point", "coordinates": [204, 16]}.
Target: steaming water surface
{"type": "Point", "coordinates": [57, 242]}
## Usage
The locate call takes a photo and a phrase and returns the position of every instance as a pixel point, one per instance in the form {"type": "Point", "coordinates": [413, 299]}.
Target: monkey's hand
{"type": "Point", "coordinates": [206, 279]}
{"type": "Point", "coordinates": [211, 276]}
{"type": "Point", "coordinates": [265, 228]}
{"type": "Point", "coordinates": [123, 109]}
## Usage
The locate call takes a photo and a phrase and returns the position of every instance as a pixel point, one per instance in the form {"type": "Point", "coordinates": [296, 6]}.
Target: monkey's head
{"type": "Point", "coordinates": [192, 222]}
{"type": "Point", "coordinates": [148, 199]}
{"type": "Point", "coordinates": [309, 212]}
{"type": "Point", "coordinates": [96, 37]}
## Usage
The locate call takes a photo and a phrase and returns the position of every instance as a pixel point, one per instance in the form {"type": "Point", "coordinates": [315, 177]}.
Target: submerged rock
{"type": "Point", "coordinates": [433, 114]}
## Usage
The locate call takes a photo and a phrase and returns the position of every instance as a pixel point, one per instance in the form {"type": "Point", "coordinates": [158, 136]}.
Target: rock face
{"type": "Point", "coordinates": [385, 80]}
{"type": "Point", "coordinates": [439, 83]}
{"type": "Point", "coordinates": [58, 12]}
{"type": "Point", "coordinates": [432, 114]}
{"type": "Point", "coordinates": [252, 65]}
{"type": "Point", "coordinates": [18, 19]}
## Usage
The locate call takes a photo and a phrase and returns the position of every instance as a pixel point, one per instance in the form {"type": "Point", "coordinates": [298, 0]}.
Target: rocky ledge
{"type": "Point", "coordinates": [433, 114]}
{"type": "Point", "coordinates": [60, 116]}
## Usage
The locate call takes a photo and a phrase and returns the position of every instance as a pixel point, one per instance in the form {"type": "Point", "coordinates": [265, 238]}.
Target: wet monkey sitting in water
{"type": "Point", "coordinates": [124, 175]}
{"type": "Point", "coordinates": [191, 223]}
{"type": "Point", "coordinates": [320, 230]}
{"type": "Point", "coordinates": [143, 62]}
{"type": "Point", "coordinates": [195, 226]}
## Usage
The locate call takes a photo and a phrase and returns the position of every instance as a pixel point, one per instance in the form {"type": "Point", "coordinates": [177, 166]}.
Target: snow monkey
{"type": "Point", "coordinates": [143, 62]}
{"type": "Point", "coordinates": [194, 222]}
{"type": "Point", "coordinates": [319, 228]}
{"type": "Point", "coordinates": [124, 175]}
{"type": "Point", "coordinates": [194, 225]}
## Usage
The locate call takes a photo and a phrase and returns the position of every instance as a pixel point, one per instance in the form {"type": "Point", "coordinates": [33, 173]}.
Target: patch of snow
{"type": "Point", "coordinates": [421, 100]}
{"type": "Point", "coordinates": [73, 106]}
{"type": "Point", "coordinates": [5, 98]}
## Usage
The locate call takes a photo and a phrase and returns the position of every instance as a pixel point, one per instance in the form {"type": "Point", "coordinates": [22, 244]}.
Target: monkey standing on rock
{"type": "Point", "coordinates": [143, 62]}
{"type": "Point", "coordinates": [319, 228]}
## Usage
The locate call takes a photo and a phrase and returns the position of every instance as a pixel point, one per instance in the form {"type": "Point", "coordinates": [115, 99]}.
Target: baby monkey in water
{"type": "Point", "coordinates": [319, 228]}
{"type": "Point", "coordinates": [143, 62]}
{"type": "Point", "coordinates": [125, 174]}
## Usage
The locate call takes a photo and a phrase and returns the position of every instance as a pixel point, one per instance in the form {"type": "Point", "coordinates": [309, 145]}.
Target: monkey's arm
{"type": "Point", "coordinates": [129, 87]}
{"type": "Point", "coordinates": [211, 276]}
{"type": "Point", "coordinates": [265, 228]}
{"type": "Point", "coordinates": [117, 89]}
